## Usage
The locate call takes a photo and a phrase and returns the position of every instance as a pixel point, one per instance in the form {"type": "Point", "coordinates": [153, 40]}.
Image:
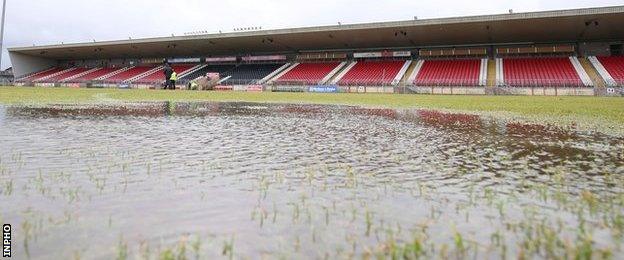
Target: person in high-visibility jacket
{"type": "Point", "coordinates": [173, 79]}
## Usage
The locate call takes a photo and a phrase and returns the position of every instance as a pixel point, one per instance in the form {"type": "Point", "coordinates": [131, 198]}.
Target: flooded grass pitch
{"type": "Point", "coordinates": [242, 180]}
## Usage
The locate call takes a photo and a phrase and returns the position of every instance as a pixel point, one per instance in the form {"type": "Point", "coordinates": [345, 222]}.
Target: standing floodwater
{"type": "Point", "coordinates": [245, 180]}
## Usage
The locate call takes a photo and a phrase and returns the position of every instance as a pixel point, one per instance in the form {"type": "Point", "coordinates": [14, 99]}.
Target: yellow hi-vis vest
{"type": "Point", "coordinates": [174, 76]}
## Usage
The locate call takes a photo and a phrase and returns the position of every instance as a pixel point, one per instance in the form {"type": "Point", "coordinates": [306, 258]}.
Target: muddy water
{"type": "Point", "coordinates": [291, 181]}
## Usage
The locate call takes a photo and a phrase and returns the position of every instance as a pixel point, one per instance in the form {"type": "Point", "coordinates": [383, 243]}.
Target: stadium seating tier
{"type": "Point", "coordinates": [308, 73]}
{"type": "Point", "coordinates": [449, 72]}
{"type": "Point", "coordinates": [42, 74]}
{"type": "Point", "coordinates": [65, 75]}
{"type": "Point", "coordinates": [540, 72]}
{"type": "Point", "coordinates": [94, 75]}
{"type": "Point", "coordinates": [372, 73]}
{"type": "Point", "coordinates": [128, 74]}
{"type": "Point", "coordinates": [615, 66]}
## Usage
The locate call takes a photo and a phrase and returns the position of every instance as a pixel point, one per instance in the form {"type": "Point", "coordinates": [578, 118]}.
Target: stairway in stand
{"type": "Point", "coordinates": [491, 73]}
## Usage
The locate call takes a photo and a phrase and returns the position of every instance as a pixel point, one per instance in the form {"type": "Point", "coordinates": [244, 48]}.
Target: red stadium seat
{"type": "Point", "coordinates": [43, 74]}
{"type": "Point", "coordinates": [449, 73]}
{"type": "Point", "coordinates": [308, 73]}
{"type": "Point", "coordinates": [540, 72]}
{"type": "Point", "coordinates": [372, 73]}
{"type": "Point", "coordinates": [128, 74]}
{"type": "Point", "coordinates": [615, 66]}
{"type": "Point", "coordinates": [94, 75]}
{"type": "Point", "coordinates": [65, 75]}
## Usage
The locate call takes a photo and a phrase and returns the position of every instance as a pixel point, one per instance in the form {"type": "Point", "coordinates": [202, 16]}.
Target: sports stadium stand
{"type": "Point", "coordinates": [249, 73]}
{"type": "Point", "coordinates": [560, 52]}
{"type": "Point", "coordinates": [128, 74]}
{"type": "Point", "coordinates": [64, 75]}
{"type": "Point", "coordinates": [372, 73]}
{"type": "Point", "coordinates": [615, 67]}
{"type": "Point", "coordinates": [93, 75]}
{"type": "Point", "coordinates": [221, 69]}
{"type": "Point", "coordinates": [158, 75]}
{"type": "Point", "coordinates": [557, 71]}
{"type": "Point", "coordinates": [41, 74]}
{"type": "Point", "coordinates": [308, 73]}
{"type": "Point", "coordinates": [449, 72]}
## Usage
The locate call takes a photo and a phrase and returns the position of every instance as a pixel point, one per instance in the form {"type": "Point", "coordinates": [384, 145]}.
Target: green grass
{"type": "Point", "coordinates": [604, 111]}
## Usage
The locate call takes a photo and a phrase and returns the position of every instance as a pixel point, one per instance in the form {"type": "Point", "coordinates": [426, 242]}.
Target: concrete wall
{"type": "Point", "coordinates": [536, 91]}
{"type": "Point", "coordinates": [25, 64]}
{"type": "Point", "coordinates": [448, 90]}
{"type": "Point", "coordinates": [594, 49]}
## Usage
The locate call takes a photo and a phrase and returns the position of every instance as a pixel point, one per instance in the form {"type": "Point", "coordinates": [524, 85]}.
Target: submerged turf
{"type": "Point", "coordinates": [601, 111]}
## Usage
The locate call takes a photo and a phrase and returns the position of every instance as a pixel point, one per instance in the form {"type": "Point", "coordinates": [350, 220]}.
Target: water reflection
{"type": "Point", "coordinates": [295, 181]}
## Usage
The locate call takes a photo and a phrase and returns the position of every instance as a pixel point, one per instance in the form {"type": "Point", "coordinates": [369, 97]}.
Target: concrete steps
{"type": "Point", "coordinates": [333, 73]}
{"type": "Point", "coordinates": [500, 75]}
{"type": "Point", "coordinates": [274, 73]}
{"type": "Point", "coordinates": [191, 70]}
{"type": "Point", "coordinates": [491, 73]}
{"type": "Point", "coordinates": [342, 73]}
{"type": "Point", "coordinates": [592, 72]}
{"type": "Point", "coordinates": [483, 72]}
{"type": "Point", "coordinates": [581, 72]}
{"type": "Point", "coordinates": [414, 74]}
{"type": "Point", "coordinates": [409, 73]}
{"type": "Point", "coordinates": [604, 74]}
{"type": "Point", "coordinates": [280, 74]}
{"type": "Point", "coordinates": [402, 72]}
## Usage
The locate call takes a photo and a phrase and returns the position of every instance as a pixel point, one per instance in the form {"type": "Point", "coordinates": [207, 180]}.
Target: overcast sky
{"type": "Point", "coordinates": [43, 22]}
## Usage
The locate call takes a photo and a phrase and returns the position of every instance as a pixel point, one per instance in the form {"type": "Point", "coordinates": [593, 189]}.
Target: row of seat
{"type": "Point", "coordinates": [449, 72]}
{"type": "Point", "coordinates": [540, 72]}
{"type": "Point", "coordinates": [372, 73]}
{"type": "Point", "coordinates": [42, 74]}
{"type": "Point", "coordinates": [615, 66]}
{"type": "Point", "coordinates": [308, 73]}
{"type": "Point", "coordinates": [93, 75]}
{"type": "Point", "coordinates": [64, 75]}
{"type": "Point", "coordinates": [553, 71]}
{"type": "Point", "coordinates": [113, 75]}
